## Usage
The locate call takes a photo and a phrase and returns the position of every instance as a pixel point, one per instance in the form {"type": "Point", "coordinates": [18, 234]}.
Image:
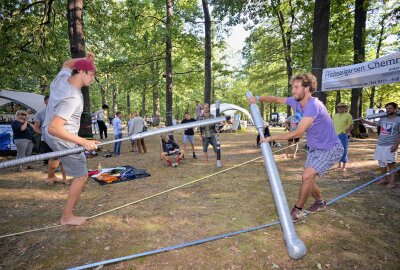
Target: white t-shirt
{"type": "Point", "coordinates": [66, 102]}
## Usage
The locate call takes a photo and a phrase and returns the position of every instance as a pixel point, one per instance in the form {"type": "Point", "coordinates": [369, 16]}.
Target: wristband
{"type": "Point", "coordinates": [257, 98]}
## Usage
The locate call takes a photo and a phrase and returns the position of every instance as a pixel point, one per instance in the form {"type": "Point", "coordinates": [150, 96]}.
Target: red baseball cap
{"type": "Point", "coordinates": [85, 65]}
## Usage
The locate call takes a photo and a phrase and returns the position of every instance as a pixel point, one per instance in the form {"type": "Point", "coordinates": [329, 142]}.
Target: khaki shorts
{"type": "Point", "coordinates": [75, 164]}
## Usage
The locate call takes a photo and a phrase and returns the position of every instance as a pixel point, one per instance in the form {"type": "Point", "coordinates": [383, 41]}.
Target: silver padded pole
{"type": "Point", "coordinates": [295, 246]}
{"type": "Point", "coordinates": [376, 115]}
{"type": "Point", "coordinates": [79, 149]}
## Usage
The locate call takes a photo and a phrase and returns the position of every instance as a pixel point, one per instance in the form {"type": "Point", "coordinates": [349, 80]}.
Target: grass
{"type": "Point", "coordinates": [360, 231]}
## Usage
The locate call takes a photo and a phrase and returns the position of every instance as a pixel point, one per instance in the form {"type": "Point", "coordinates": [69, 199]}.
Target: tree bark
{"type": "Point", "coordinates": [168, 65]}
{"type": "Point", "coordinates": [320, 43]}
{"type": "Point", "coordinates": [156, 96]}
{"type": "Point", "coordinates": [128, 105]}
{"type": "Point", "coordinates": [77, 47]}
{"type": "Point", "coordinates": [143, 111]}
{"type": "Point", "coordinates": [114, 101]}
{"type": "Point", "coordinates": [360, 17]}
{"type": "Point", "coordinates": [207, 51]}
{"type": "Point", "coordinates": [286, 36]}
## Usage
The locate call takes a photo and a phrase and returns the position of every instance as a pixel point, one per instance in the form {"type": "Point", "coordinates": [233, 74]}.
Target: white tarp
{"type": "Point", "coordinates": [29, 100]}
{"type": "Point", "coordinates": [230, 109]}
{"type": "Point", "coordinates": [384, 70]}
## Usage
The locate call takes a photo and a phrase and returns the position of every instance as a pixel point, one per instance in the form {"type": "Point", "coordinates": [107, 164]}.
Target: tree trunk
{"type": "Point", "coordinates": [155, 92]}
{"type": "Point", "coordinates": [128, 105]}
{"type": "Point", "coordinates": [143, 111]}
{"type": "Point", "coordinates": [286, 36]}
{"type": "Point", "coordinates": [320, 43]}
{"type": "Point", "coordinates": [114, 101]}
{"type": "Point", "coordinates": [262, 110]}
{"type": "Point", "coordinates": [207, 51]}
{"type": "Point", "coordinates": [338, 99]}
{"type": "Point", "coordinates": [360, 18]}
{"type": "Point", "coordinates": [168, 65]}
{"type": "Point", "coordinates": [77, 47]}
{"type": "Point", "coordinates": [378, 50]}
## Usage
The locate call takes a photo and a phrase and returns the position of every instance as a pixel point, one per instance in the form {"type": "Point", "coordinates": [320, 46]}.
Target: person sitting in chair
{"type": "Point", "coordinates": [170, 151]}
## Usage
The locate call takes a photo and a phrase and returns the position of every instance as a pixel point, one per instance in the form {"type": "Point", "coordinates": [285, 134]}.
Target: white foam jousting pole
{"type": "Point", "coordinates": [136, 136]}
{"type": "Point", "coordinates": [294, 245]}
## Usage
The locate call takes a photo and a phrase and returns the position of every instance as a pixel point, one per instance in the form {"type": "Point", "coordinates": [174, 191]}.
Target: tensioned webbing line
{"type": "Point", "coordinates": [213, 238]}
{"type": "Point", "coordinates": [146, 198]}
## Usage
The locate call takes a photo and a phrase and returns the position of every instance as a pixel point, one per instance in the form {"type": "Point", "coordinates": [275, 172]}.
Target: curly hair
{"type": "Point", "coordinates": [307, 79]}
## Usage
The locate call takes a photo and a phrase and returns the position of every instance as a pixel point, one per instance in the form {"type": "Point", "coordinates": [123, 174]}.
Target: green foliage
{"type": "Point", "coordinates": [128, 38]}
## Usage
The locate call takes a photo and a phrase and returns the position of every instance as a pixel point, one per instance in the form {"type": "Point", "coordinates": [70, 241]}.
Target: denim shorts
{"type": "Point", "coordinates": [209, 140]}
{"type": "Point", "coordinates": [189, 138]}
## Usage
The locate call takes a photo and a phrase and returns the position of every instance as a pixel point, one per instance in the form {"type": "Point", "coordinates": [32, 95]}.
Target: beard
{"type": "Point", "coordinates": [299, 97]}
{"type": "Point", "coordinates": [390, 113]}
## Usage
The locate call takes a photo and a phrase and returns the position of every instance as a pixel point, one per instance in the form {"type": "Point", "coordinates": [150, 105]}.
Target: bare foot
{"type": "Point", "coordinates": [74, 221]}
{"type": "Point", "coordinates": [49, 182]}
{"type": "Point", "coordinates": [52, 181]}
{"type": "Point", "coordinates": [390, 185]}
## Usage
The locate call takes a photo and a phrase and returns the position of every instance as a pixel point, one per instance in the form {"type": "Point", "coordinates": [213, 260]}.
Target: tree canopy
{"type": "Point", "coordinates": [129, 38]}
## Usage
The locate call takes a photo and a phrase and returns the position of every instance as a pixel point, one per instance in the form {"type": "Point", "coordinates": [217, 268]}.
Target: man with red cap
{"type": "Point", "coordinates": [61, 126]}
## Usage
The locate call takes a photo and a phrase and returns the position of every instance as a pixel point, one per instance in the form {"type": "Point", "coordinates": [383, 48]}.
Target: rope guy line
{"type": "Point", "coordinates": [218, 237]}
{"type": "Point", "coordinates": [146, 198]}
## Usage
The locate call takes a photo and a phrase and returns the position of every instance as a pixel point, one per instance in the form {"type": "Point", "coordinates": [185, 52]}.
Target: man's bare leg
{"type": "Point", "coordinates": [384, 180]}
{"type": "Point", "coordinates": [206, 157]}
{"type": "Point", "coordinates": [51, 172]}
{"type": "Point", "coordinates": [296, 148]}
{"type": "Point", "coordinates": [74, 192]}
{"type": "Point", "coordinates": [308, 186]}
{"type": "Point", "coordinates": [287, 149]}
{"type": "Point", "coordinates": [391, 177]}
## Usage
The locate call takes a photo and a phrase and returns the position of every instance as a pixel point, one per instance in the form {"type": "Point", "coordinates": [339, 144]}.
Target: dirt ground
{"type": "Point", "coordinates": [360, 231]}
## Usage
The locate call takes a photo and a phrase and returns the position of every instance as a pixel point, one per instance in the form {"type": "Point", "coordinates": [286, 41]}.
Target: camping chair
{"type": "Point", "coordinates": [174, 157]}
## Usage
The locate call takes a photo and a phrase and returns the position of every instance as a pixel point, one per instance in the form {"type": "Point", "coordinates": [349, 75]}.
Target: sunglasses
{"type": "Point", "coordinates": [23, 114]}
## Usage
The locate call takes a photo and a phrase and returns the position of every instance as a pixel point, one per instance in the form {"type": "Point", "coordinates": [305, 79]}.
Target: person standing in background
{"type": "Point", "coordinates": [23, 135]}
{"type": "Point", "coordinates": [101, 116]}
{"type": "Point", "coordinates": [199, 110]}
{"type": "Point", "coordinates": [117, 127]}
{"type": "Point", "coordinates": [137, 126]}
{"type": "Point", "coordinates": [388, 144]}
{"type": "Point", "coordinates": [343, 123]}
{"type": "Point", "coordinates": [292, 122]}
{"type": "Point", "coordinates": [188, 134]}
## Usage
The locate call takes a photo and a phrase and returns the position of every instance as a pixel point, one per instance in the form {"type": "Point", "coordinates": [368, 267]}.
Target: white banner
{"type": "Point", "coordinates": [384, 70]}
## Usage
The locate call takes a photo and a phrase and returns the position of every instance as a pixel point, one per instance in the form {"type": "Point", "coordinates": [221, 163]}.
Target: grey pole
{"type": "Point", "coordinates": [217, 126]}
{"type": "Point", "coordinates": [79, 149]}
{"type": "Point", "coordinates": [294, 245]}
{"type": "Point", "coordinates": [377, 115]}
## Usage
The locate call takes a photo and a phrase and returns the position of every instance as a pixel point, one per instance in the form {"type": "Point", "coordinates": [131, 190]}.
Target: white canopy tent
{"type": "Point", "coordinates": [29, 100]}
{"type": "Point", "coordinates": [230, 109]}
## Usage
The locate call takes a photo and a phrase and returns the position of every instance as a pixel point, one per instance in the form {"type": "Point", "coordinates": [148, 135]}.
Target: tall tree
{"type": "Point", "coordinates": [77, 47]}
{"type": "Point", "coordinates": [320, 42]}
{"type": "Point", "coordinates": [360, 17]}
{"type": "Point", "coordinates": [168, 64]}
{"type": "Point", "coordinates": [207, 51]}
{"type": "Point", "coordinates": [286, 25]}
